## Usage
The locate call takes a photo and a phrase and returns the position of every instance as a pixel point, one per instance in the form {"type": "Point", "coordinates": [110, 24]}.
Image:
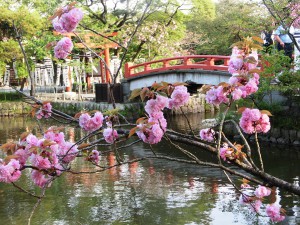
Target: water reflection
{"type": "Point", "coordinates": [145, 192]}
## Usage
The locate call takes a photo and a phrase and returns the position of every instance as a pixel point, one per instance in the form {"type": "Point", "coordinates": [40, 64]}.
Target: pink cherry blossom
{"type": "Point", "coordinates": [156, 105]}
{"type": "Point", "coordinates": [58, 137]}
{"type": "Point", "coordinates": [56, 22]}
{"type": "Point", "coordinates": [150, 135]}
{"type": "Point", "coordinates": [89, 123]}
{"type": "Point", "coordinates": [216, 96]}
{"type": "Point", "coordinates": [83, 119]}
{"type": "Point", "coordinates": [63, 48]}
{"type": "Point", "coordinates": [253, 121]}
{"type": "Point", "coordinates": [10, 172]}
{"type": "Point", "coordinates": [31, 140]}
{"type": "Point", "coordinates": [256, 206]}
{"type": "Point", "coordinates": [94, 157]}
{"type": "Point", "coordinates": [207, 134]}
{"type": "Point", "coordinates": [39, 179]}
{"type": "Point", "coordinates": [67, 152]}
{"type": "Point", "coordinates": [160, 120]}
{"type": "Point", "coordinates": [110, 135]}
{"type": "Point", "coordinates": [98, 120]}
{"type": "Point", "coordinates": [23, 155]}
{"type": "Point", "coordinates": [250, 87]}
{"type": "Point", "coordinates": [70, 19]}
{"type": "Point", "coordinates": [224, 151]}
{"type": "Point", "coordinates": [236, 60]}
{"type": "Point", "coordinates": [262, 191]}
{"type": "Point", "coordinates": [44, 111]}
{"type": "Point", "coordinates": [40, 162]}
{"type": "Point", "coordinates": [273, 211]}
{"type": "Point", "coordinates": [179, 97]}
{"type": "Point", "coordinates": [237, 94]}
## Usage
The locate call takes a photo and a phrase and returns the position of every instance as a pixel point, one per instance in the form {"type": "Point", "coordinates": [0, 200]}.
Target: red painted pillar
{"type": "Point", "coordinates": [107, 61]}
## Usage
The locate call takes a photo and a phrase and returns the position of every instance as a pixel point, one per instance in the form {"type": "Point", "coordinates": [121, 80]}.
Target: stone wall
{"type": "Point", "coordinates": [14, 108]}
{"type": "Point", "coordinates": [196, 104]}
{"type": "Point", "coordinates": [275, 135]}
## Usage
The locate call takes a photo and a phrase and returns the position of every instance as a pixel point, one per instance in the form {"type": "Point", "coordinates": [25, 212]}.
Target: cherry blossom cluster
{"type": "Point", "coordinates": [92, 123]}
{"type": "Point", "coordinates": [48, 157]}
{"type": "Point", "coordinates": [110, 134]}
{"type": "Point", "coordinates": [68, 21]}
{"type": "Point", "coordinates": [94, 157]}
{"type": "Point", "coordinates": [89, 123]}
{"type": "Point", "coordinates": [207, 134]}
{"type": "Point", "coordinates": [44, 111]}
{"type": "Point", "coordinates": [242, 82]}
{"type": "Point", "coordinates": [253, 120]}
{"type": "Point", "coordinates": [254, 200]}
{"type": "Point", "coordinates": [153, 130]}
{"type": "Point", "coordinates": [63, 48]}
{"type": "Point", "coordinates": [10, 172]}
{"type": "Point", "coordinates": [64, 23]}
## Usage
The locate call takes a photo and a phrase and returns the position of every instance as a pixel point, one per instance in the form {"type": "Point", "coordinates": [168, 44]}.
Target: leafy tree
{"type": "Point", "coordinates": [233, 21]}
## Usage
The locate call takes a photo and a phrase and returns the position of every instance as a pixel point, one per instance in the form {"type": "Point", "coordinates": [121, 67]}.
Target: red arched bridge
{"type": "Point", "coordinates": [199, 69]}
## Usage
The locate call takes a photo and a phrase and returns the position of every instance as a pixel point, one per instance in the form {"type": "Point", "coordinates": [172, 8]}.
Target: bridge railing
{"type": "Point", "coordinates": [205, 62]}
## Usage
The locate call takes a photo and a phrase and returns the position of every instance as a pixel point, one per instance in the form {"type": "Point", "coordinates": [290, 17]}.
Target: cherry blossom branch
{"type": "Point", "coordinates": [102, 35]}
{"type": "Point", "coordinates": [40, 199]}
{"type": "Point", "coordinates": [188, 121]}
{"type": "Point", "coordinates": [25, 191]}
{"type": "Point", "coordinates": [258, 152]}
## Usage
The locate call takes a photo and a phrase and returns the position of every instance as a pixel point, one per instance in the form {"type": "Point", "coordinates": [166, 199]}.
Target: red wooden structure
{"type": "Point", "coordinates": [205, 62]}
{"type": "Point", "coordinates": [103, 47]}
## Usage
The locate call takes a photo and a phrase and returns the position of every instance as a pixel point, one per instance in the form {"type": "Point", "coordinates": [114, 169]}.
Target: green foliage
{"type": "Point", "coordinates": [234, 20]}
{"type": "Point", "coordinates": [9, 50]}
{"type": "Point", "coordinates": [10, 96]}
{"type": "Point", "coordinates": [21, 70]}
{"type": "Point", "coordinates": [290, 83]}
{"type": "Point", "coordinates": [2, 68]}
{"type": "Point", "coordinates": [26, 21]}
{"type": "Point", "coordinates": [274, 63]}
{"type": "Point", "coordinates": [36, 46]}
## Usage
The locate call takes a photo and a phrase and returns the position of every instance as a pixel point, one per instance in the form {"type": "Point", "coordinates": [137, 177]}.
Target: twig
{"type": "Point", "coordinates": [258, 152]}
{"type": "Point", "coordinates": [23, 190]}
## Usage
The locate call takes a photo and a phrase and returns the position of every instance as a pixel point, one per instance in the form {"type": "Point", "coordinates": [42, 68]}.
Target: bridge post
{"type": "Point", "coordinates": [147, 67]}
{"type": "Point", "coordinates": [127, 69]}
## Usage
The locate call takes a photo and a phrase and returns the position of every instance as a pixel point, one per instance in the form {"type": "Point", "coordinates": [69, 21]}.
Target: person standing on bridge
{"type": "Point", "coordinates": [284, 41]}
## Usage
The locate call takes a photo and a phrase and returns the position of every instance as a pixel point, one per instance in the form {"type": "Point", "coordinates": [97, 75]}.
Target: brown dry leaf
{"type": "Point", "coordinates": [132, 132]}
{"type": "Point", "coordinates": [205, 88]}
{"type": "Point", "coordinates": [50, 45]}
{"type": "Point", "coordinates": [241, 110]}
{"type": "Point", "coordinates": [141, 120]}
{"type": "Point", "coordinates": [58, 13]}
{"type": "Point", "coordinates": [48, 142]}
{"type": "Point", "coordinates": [77, 115]}
{"type": "Point", "coordinates": [9, 148]}
{"type": "Point", "coordinates": [144, 93]}
{"type": "Point", "coordinates": [224, 84]}
{"type": "Point", "coordinates": [179, 84]}
{"type": "Point", "coordinates": [84, 145]}
{"type": "Point", "coordinates": [255, 71]}
{"type": "Point", "coordinates": [8, 158]}
{"type": "Point", "coordinates": [135, 93]}
{"type": "Point", "coordinates": [258, 39]}
{"type": "Point", "coordinates": [266, 112]}
{"type": "Point", "coordinates": [155, 85]}
{"type": "Point", "coordinates": [245, 181]}
{"type": "Point", "coordinates": [24, 135]}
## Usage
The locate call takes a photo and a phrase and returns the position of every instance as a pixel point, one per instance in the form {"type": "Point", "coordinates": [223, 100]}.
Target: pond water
{"type": "Point", "coordinates": [146, 192]}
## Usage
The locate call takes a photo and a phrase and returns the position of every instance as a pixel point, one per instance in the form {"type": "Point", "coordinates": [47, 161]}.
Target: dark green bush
{"type": "Point", "coordinates": [10, 96]}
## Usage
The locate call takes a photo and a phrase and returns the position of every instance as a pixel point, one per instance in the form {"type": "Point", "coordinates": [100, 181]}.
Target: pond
{"type": "Point", "coordinates": [146, 192]}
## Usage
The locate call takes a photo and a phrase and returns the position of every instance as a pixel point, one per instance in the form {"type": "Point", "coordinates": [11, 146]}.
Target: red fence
{"type": "Point", "coordinates": [205, 62]}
